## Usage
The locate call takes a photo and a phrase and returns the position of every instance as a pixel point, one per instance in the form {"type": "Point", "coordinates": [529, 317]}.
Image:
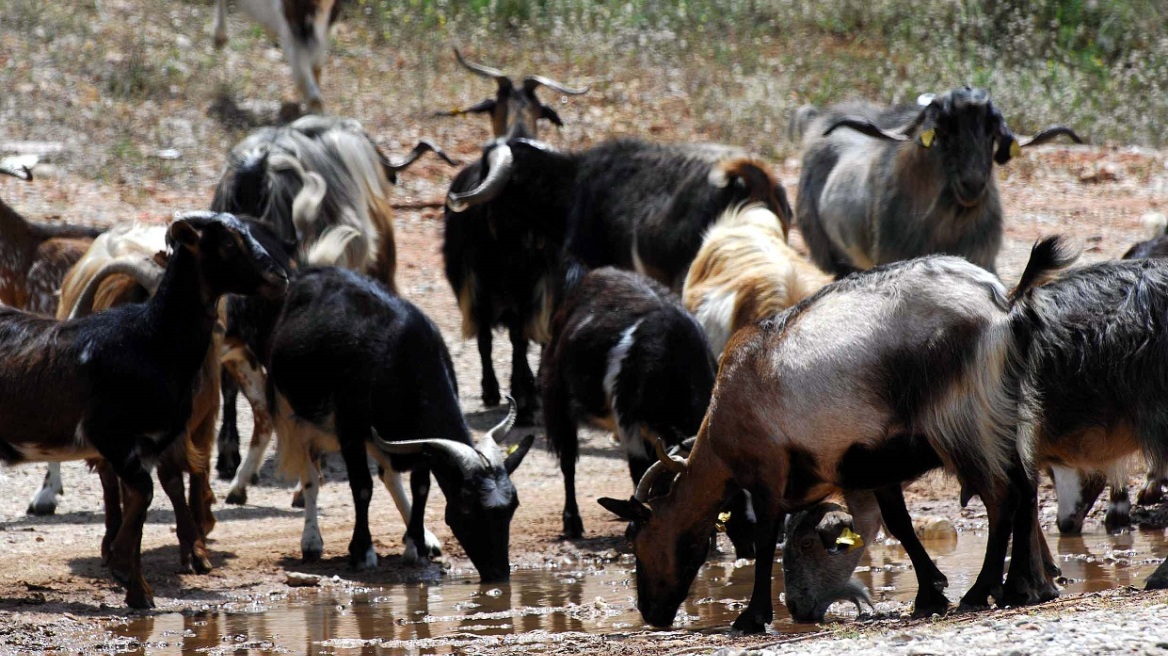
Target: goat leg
{"type": "Point", "coordinates": [491, 395]}
{"type": "Point", "coordinates": [112, 500]}
{"type": "Point", "coordinates": [192, 552]}
{"type": "Point", "coordinates": [126, 553]}
{"type": "Point", "coordinates": [429, 547]}
{"type": "Point", "coordinates": [1027, 583]}
{"type": "Point", "coordinates": [362, 556]}
{"type": "Point", "coordinates": [1000, 507]}
{"type": "Point", "coordinates": [228, 460]}
{"type": "Point", "coordinates": [416, 533]}
{"type": "Point", "coordinates": [760, 611]}
{"type": "Point", "coordinates": [931, 583]}
{"type": "Point", "coordinates": [522, 380]}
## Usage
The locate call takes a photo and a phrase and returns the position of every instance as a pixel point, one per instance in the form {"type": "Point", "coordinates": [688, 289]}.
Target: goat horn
{"type": "Point", "coordinates": [499, 162]}
{"type": "Point", "coordinates": [461, 456]}
{"type": "Point", "coordinates": [24, 173]}
{"type": "Point", "coordinates": [675, 464]}
{"type": "Point", "coordinates": [1050, 133]}
{"type": "Point", "coordinates": [645, 485]}
{"type": "Point", "coordinates": [532, 82]}
{"type": "Point", "coordinates": [488, 446]}
{"type": "Point", "coordinates": [864, 126]}
{"type": "Point", "coordinates": [145, 272]}
{"type": "Point", "coordinates": [424, 146]}
{"type": "Point", "coordinates": [485, 71]}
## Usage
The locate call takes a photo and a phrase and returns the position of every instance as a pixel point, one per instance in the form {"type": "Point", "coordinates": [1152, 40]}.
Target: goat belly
{"type": "Point", "coordinates": [899, 458]}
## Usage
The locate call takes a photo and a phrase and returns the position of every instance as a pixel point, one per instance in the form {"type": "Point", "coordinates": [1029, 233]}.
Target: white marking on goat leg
{"type": "Point", "coordinates": [1069, 490]}
{"type": "Point", "coordinates": [44, 502]}
{"type": "Point", "coordinates": [260, 438]}
{"type": "Point", "coordinates": [311, 542]}
{"type": "Point", "coordinates": [393, 482]}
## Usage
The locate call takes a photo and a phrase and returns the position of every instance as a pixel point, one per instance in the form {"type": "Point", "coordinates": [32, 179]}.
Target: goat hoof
{"type": "Point", "coordinates": [1025, 593]}
{"type": "Point", "coordinates": [1150, 496]}
{"type": "Point", "coordinates": [363, 562]}
{"type": "Point", "coordinates": [201, 564]}
{"type": "Point", "coordinates": [974, 601]}
{"type": "Point", "coordinates": [236, 497]}
{"type": "Point", "coordinates": [1052, 570]}
{"type": "Point", "coordinates": [573, 528]}
{"type": "Point", "coordinates": [226, 467]}
{"type": "Point", "coordinates": [491, 396]}
{"type": "Point", "coordinates": [298, 499]}
{"type": "Point", "coordinates": [928, 605]}
{"type": "Point", "coordinates": [750, 622]}
{"type": "Point", "coordinates": [1158, 580]}
{"type": "Point", "coordinates": [255, 479]}
{"type": "Point", "coordinates": [41, 509]}
{"type": "Point", "coordinates": [140, 601]}
{"type": "Point", "coordinates": [311, 555]}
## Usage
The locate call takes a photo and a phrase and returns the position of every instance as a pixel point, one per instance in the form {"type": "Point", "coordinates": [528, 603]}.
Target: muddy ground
{"type": "Point", "coordinates": [54, 593]}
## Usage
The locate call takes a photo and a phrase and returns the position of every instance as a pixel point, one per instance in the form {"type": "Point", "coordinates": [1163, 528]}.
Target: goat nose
{"type": "Point", "coordinates": [1068, 526]}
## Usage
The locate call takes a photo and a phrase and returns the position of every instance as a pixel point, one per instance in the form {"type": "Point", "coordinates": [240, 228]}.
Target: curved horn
{"type": "Point", "coordinates": [645, 485]}
{"type": "Point", "coordinates": [1053, 132]}
{"type": "Point", "coordinates": [500, 161]}
{"type": "Point", "coordinates": [145, 272]}
{"type": "Point", "coordinates": [23, 172]}
{"type": "Point", "coordinates": [532, 82]}
{"type": "Point", "coordinates": [675, 464]}
{"type": "Point", "coordinates": [485, 71]}
{"type": "Point", "coordinates": [488, 446]}
{"type": "Point", "coordinates": [461, 456]}
{"type": "Point", "coordinates": [424, 146]}
{"type": "Point", "coordinates": [864, 126]}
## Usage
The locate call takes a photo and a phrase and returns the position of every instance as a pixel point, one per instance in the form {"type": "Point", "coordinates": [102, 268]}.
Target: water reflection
{"type": "Point", "coordinates": [591, 598]}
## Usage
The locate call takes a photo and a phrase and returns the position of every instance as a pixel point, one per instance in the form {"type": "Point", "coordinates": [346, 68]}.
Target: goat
{"type": "Point", "coordinates": [1094, 346]}
{"type": "Point", "coordinates": [917, 361]}
{"type": "Point", "coordinates": [342, 341]}
{"type": "Point", "coordinates": [511, 216]}
{"type": "Point", "coordinates": [515, 110]}
{"type": "Point", "coordinates": [302, 27]}
{"type": "Point", "coordinates": [745, 272]}
{"type": "Point", "coordinates": [303, 179]}
{"type": "Point", "coordinates": [925, 185]}
{"type": "Point", "coordinates": [626, 356]}
{"type": "Point", "coordinates": [111, 393]}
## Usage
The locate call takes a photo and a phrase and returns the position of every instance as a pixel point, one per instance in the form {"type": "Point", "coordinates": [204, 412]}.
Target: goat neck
{"type": "Point", "coordinates": [184, 310]}
{"type": "Point", "coordinates": [17, 247]}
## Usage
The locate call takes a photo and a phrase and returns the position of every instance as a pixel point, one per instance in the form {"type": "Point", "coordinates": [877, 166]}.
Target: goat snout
{"type": "Point", "coordinates": [969, 191]}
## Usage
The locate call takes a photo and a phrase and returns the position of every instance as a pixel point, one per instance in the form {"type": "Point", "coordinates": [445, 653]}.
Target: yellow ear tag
{"type": "Point", "coordinates": [1015, 149]}
{"type": "Point", "coordinates": [720, 525]}
{"type": "Point", "coordinates": [927, 137]}
{"type": "Point", "coordinates": [850, 539]}
{"type": "Point", "coordinates": [512, 449]}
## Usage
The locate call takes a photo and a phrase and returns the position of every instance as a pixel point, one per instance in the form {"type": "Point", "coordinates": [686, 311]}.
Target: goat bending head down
{"type": "Point", "coordinates": [924, 186]}
{"type": "Point", "coordinates": [873, 381]}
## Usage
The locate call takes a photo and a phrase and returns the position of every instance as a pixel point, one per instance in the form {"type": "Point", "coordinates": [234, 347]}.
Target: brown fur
{"type": "Point", "coordinates": [762, 187]}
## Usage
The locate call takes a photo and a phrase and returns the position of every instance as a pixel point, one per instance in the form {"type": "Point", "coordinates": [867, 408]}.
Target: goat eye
{"type": "Point", "coordinates": [807, 543]}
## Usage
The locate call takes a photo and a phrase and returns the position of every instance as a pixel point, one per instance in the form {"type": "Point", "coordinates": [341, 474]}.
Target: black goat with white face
{"type": "Point", "coordinates": [626, 356]}
{"type": "Point", "coordinates": [513, 216]}
{"type": "Point", "coordinates": [358, 370]}
{"type": "Point", "coordinates": [886, 184]}
{"type": "Point", "coordinates": [515, 110]}
{"type": "Point", "coordinates": [1095, 340]}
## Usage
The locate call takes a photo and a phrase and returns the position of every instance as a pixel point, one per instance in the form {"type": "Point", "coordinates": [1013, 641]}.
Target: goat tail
{"type": "Point", "coordinates": [761, 187]}
{"type": "Point", "coordinates": [338, 246]}
{"type": "Point", "coordinates": [145, 272]}
{"type": "Point", "coordinates": [1047, 258]}
{"type": "Point", "coordinates": [307, 203]}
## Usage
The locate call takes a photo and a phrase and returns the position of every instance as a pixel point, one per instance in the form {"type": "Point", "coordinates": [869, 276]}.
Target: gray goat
{"type": "Point", "coordinates": [925, 185]}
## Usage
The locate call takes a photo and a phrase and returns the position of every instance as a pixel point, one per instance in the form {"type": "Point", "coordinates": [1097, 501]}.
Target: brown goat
{"type": "Point", "coordinates": [745, 272]}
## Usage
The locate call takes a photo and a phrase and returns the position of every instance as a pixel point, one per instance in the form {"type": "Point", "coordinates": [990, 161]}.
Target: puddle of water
{"type": "Point", "coordinates": [592, 598]}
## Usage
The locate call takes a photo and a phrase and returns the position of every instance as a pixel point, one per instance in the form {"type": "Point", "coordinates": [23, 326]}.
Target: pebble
{"type": "Point", "coordinates": [299, 580]}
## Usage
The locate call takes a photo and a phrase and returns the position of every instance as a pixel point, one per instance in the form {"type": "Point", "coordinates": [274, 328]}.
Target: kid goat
{"type": "Point", "coordinates": [120, 382]}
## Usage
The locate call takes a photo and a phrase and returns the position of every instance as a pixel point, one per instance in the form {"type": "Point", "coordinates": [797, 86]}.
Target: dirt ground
{"type": "Point", "coordinates": [54, 593]}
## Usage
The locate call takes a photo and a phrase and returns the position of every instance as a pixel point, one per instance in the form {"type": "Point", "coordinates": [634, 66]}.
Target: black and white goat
{"type": "Point", "coordinates": [120, 382]}
{"type": "Point", "coordinates": [302, 27]}
{"type": "Point", "coordinates": [1095, 344]}
{"type": "Point", "coordinates": [882, 184]}
{"type": "Point", "coordinates": [359, 370]}
{"type": "Point", "coordinates": [515, 110]}
{"type": "Point", "coordinates": [624, 355]}
{"type": "Point", "coordinates": [634, 205]}
{"type": "Point", "coordinates": [316, 175]}
{"type": "Point", "coordinates": [870, 382]}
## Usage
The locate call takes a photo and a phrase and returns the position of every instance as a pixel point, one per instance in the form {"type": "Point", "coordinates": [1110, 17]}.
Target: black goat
{"type": "Point", "coordinates": [515, 110]}
{"type": "Point", "coordinates": [626, 356]}
{"type": "Point", "coordinates": [357, 369]}
{"type": "Point", "coordinates": [924, 186]}
{"type": "Point", "coordinates": [119, 383]}
{"type": "Point", "coordinates": [625, 203]}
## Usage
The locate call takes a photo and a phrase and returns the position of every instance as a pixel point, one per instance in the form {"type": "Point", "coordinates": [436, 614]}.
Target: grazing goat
{"type": "Point", "coordinates": [745, 272]}
{"type": "Point", "coordinates": [515, 110]}
{"type": "Point", "coordinates": [303, 179]}
{"type": "Point", "coordinates": [623, 355]}
{"type": "Point", "coordinates": [113, 395]}
{"type": "Point", "coordinates": [923, 185]}
{"type": "Point", "coordinates": [630, 204]}
{"type": "Point", "coordinates": [1095, 347]}
{"type": "Point", "coordinates": [870, 382]}
{"type": "Point", "coordinates": [302, 27]}
{"type": "Point", "coordinates": [358, 370]}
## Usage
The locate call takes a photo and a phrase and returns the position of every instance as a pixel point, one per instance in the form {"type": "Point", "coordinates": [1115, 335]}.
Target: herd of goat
{"type": "Point", "coordinates": [659, 282]}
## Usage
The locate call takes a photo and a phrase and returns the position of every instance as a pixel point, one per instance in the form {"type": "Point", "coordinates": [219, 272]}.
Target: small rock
{"type": "Point", "coordinates": [300, 580]}
{"type": "Point", "coordinates": [935, 528]}
{"type": "Point", "coordinates": [1101, 172]}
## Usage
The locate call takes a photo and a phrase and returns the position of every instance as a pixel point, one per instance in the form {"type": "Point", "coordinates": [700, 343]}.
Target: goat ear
{"type": "Point", "coordinates": [632, 510]}
{"type": "Point", "coordinates": [516, 456]}
{"type": "Point", "coordinates": [182, 232]}
{"type": "Point", "coordinates": [551, 115]}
